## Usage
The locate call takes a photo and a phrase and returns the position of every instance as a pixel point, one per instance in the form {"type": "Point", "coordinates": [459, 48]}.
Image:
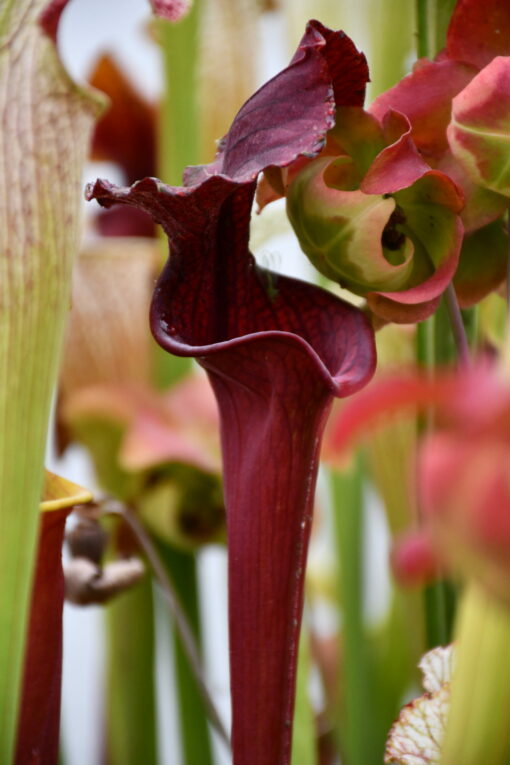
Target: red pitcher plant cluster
{"type": "Point", "coordinates": [402, 203]}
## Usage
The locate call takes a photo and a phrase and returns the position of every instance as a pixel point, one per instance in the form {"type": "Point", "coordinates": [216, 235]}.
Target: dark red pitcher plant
{"type": "Point", "coordinates": [276, 351]}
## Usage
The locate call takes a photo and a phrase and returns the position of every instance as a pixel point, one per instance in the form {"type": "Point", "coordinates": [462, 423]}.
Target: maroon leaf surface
{"type": "Point", "coordinates": [276, 351]}
{"type": "Point", "coordinates": [290, 115]}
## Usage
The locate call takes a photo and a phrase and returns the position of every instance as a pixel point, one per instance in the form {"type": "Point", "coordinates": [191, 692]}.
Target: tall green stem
{"type": "Point", "coordinates": [437, 621]}
{"type": "Point", "coordinates": [439, 612]}
{"type": "Point", "coordinates": [434, 346]}
{"type": "Point", "coordinates": [422, 28]}
{"type": "Point", "coordinates": [457, 326]}
{"type": "Point", "coordinates": [178, 147]}
{"type": "Point", "coordinates": [435, 335]}
{"type": "Point", "coordinates": [433, 17]}
{"type": "Point", "coordinates": [443, 10]}
{"type": "Point", "coordinates": [130, 705]}
{"type": "Point", "coordinates": [304, 736]}
{"type": "Point", "coordinates": [178, 136]}
{"type": "Point", "coordinates": [389, 53]}
{"type": "Point", "coordinates": [196, 744]}
{"type": "Point", "coordinates": [178, 144]}
{"type": "Point", "coordinates": [425, 344]}
{"type": "Point", "coordinates": [357, 735]}
{"type": "Point", "coordinates": [478, 728]}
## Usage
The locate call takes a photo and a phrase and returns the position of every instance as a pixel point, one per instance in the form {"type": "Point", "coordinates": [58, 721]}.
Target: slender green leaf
{"type": "Point", "coordinates": [196, 746]}
{"type": "Point", "coordinates": [130, 701]}
{"type": "Point", "coordinates": [478, 728]}
{"type": "Point", "coordinates": [304, 735]}
{"type": "Point", "coordinates": [43, 144]}
{"type": "Point", "coordinates": [178, 136]}
{"type": "Point", "coordinates": [356, 721]}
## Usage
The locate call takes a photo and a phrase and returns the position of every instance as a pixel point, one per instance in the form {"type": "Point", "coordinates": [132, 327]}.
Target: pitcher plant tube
{"type": "Point", "coordinates": [39, 719]}
{"type": "Point", "coordinates": [276, 351]}
{"type": "Point", "coordinates": [43, 145]}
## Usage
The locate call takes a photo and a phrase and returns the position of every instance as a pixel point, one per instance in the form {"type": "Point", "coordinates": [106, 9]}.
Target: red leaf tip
{"type": "Point", "coordinates": [50, 18]}
{"type": "Point", "coordinates": [173, 10]}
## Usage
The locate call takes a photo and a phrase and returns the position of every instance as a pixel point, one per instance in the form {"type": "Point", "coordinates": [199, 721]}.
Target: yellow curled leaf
{"type": "Point", "coordinates": [59, 493]}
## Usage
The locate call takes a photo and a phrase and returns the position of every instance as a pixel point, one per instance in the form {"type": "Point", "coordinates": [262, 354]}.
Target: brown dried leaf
{"type": "Point", "coordinates": [87, 584]}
